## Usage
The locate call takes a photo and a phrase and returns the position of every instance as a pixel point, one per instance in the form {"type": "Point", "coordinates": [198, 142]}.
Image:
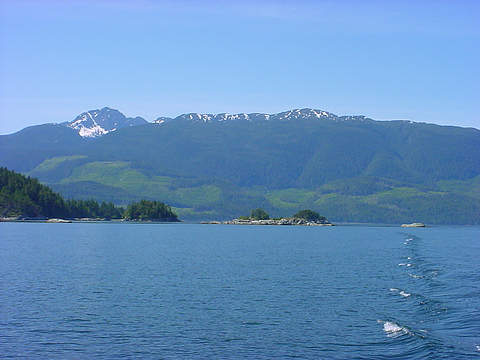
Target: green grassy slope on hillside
{"type": "Point", "coordinates": [352, 200]}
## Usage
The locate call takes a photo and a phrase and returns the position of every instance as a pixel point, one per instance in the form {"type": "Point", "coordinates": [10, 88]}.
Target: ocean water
{"type": "Point", "coordinates": [187, 291]}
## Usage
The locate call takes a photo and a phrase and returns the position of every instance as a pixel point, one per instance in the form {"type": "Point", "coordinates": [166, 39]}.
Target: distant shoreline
{"type": "Point", "coordinates": [85, 221]}
{"type": "Point", "coordinates": [207, 222]}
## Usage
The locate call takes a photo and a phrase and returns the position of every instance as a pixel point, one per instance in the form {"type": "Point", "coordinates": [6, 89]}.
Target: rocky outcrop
{"type": "Point", "coordinates": [58, 221]}
{"type": "Point", "coordinates": [9, 218]}
{"type": "Point", "coordinates": [38, 219]}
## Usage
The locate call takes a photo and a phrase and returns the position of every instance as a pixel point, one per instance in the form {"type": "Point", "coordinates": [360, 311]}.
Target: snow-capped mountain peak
{"type": "Point", "coordinates": [95, 123]}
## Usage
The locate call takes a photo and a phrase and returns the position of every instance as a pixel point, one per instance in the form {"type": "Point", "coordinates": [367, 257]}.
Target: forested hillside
{"type": "Point", "coordinates": [22, 196]}
{"type": "Point", "coordinates": [206, 166]}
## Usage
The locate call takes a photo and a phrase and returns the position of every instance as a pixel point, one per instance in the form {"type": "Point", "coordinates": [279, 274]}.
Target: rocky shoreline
{"type": "Point", "coordinates": [51, 220]}
{"type": "Point", "coordinates": [85, 220]}
{"type": "Point", "coordinates": [282, 221]}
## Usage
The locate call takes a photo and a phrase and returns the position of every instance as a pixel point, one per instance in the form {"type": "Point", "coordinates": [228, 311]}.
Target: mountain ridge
{"type": "Point", "coordinates": [99, 122]}
{"type": "Point", "coordinates": [96, 123]}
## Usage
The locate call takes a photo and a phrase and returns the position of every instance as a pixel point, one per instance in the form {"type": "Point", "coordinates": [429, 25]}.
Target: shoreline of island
{"type": "Point", "coordinates": [280, 222]}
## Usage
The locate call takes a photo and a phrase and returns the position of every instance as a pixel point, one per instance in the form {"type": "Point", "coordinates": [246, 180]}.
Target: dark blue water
{"type": "Point", "coordinates": [110, 291]}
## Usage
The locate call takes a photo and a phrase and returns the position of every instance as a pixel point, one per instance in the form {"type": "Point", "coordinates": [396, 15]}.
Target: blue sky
{"type": "Point", "coordinates": [416, 60]}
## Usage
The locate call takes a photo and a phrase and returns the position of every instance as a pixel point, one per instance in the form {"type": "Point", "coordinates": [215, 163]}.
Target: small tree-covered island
{"type": "Point", "coordinates": [260, 217]}
{"type": "Point", "coordinates": [149, 210]}
{"type": "Point", "coordinates": [24, 198]}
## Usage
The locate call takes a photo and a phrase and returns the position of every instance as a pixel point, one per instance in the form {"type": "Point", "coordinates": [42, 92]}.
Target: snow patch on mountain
{"type": "Point", "coordinates": [162, 120]}
{"type": "Point", "coordinates": [294, 114]}
{"type": "Point", "coordinates": [91, 132]}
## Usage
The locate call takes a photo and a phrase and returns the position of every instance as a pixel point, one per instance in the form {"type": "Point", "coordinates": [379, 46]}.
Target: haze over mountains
{"type": "Point", "coordinates": [349, 168]}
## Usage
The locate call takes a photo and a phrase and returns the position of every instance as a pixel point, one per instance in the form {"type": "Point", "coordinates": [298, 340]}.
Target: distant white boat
{"type": "Point", "coordinates": [414, 225]}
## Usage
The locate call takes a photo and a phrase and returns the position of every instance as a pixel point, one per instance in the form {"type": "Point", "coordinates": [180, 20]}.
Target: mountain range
{"type": "Point", "coordinates": [96, 123]}
{"type": "Point", "coordinates": [348, 168]}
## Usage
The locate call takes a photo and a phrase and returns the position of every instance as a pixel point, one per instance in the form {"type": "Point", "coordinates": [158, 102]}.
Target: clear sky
{"type": "Point", "coordinates": [416, 60]}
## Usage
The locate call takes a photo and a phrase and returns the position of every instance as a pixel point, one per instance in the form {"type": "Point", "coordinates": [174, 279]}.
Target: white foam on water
{"type": "Point", "coordinates": [402, 264]}
{"type": "Point", "coordinates": [392, 329]}
{"type": "Point", "coordinates": [478, 347]}
{"type": "Point", "coordinates": [408, 265]}
{"type": "Point", "coordinates": [415, 276]}
{"type": "Point", "coordinates": [400, 292]}
{"type": "Point", "coordinates": [409, 258]}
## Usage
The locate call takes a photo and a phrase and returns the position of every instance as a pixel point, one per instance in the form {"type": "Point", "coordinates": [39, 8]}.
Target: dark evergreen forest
{"type": "Point", "coordinates": [22, 196]}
